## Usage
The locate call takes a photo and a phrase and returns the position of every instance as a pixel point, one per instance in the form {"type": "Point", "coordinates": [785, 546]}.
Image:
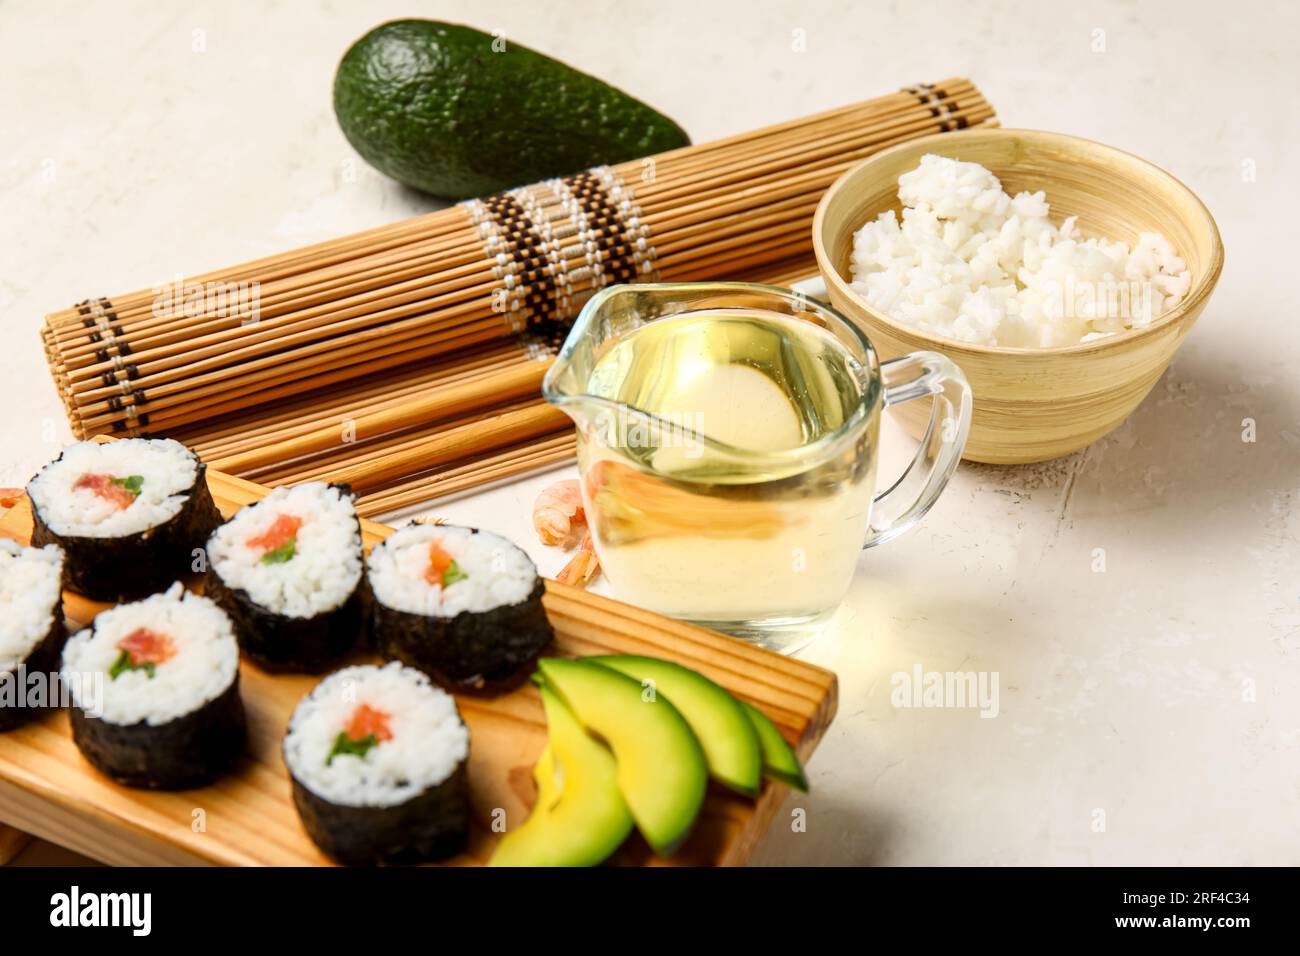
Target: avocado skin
{"type": "Point", "coordinates": [431, 105]}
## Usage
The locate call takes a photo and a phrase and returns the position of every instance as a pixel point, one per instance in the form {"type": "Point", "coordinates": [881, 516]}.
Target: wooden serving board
{"type": "Point", "coordinates": [248, 818]}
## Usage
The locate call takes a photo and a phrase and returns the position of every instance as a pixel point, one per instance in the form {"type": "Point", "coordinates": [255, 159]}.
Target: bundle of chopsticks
{"type": "Point", "coordinates": [407, 359]}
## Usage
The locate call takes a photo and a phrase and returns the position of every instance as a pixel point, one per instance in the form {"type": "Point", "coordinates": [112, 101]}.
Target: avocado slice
{"type": "Point", "coordinates": [580, 816]}
{"type": "Point", "coordinates": [779, 760]}
{"type": "Point", "coordinates": [662, 772]}
{"type": "Point", "coordinates": [546, 774]}
{"type": "Point", "coordinates": [729, 738]}
{"type": "Point", "coordinates": [458, 113]}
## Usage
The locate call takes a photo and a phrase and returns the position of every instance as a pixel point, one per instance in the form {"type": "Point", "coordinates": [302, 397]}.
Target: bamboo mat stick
{"type": "Point", "coordinates": [319, 466]}
{"type": "Point", "coordinates": [557, 447]}
{"type": "Point", "coordinates": [272, 435]}
{"type": "Point", "coordinates": [833, 151]}
{"type": "Point", "coordinates": [310, 324]}
{"type": "Point", "coordinates": [459, 310]}
{"type": "Point", "coordinates": [767, 153]}
{"type": "Point", "coordinates": [497, 432]}
{"type": "Point", "coordinates": [321, 380]}
{"type": "Point", "coordinates": [734, 258]}
{"type": "Point", "coordinates": [318, 255]}
{"type": "Point", "coordinates": [151, 337]}
{"type": "Point", "coordinates": [880, 104]}
{"type": "Point", "coordinates": [513, 461]}
{"type": "Point", "coordinates": [149, 326]}
{"type": "Point", "coordinates": [859, 115]}
{"type": "Point", "coordinates": [398, 339]}
{"type": "Point", "coordinates": [438, 404]}
{"type": "Point", "coordinates": [300, 415]}
{"type": "Point", "coordinates": [786, 273]}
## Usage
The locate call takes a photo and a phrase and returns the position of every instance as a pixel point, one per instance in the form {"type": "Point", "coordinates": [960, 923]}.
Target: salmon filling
{"type": "Point", "coordinates": [443, 569]}
{"type": "Point", "coordinates": [279, 542]}
{"type": "Point", "coordinates": [142, 650]}
{"type": "Point", "coordinates": [120, 492]}
{"type": "Point", "coordinates": [367, 728]}
{"type": "Point", "coordinates": [367, 721]}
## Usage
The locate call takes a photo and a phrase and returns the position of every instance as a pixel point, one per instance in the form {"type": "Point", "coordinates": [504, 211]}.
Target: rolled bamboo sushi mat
{"type": "Point", "coordinates": [407, 359]}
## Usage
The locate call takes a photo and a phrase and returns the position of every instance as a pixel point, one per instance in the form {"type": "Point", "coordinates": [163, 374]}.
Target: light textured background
{"type": "Point", "coordinates": [139, 139]}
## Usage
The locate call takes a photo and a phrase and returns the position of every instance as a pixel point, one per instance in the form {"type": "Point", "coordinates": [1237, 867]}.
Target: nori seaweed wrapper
{"type": "Point", "coordinates": [136, 565]}
{"type": "Point", "coordinates": [281, 644]}
{"type": "Point", "coordinates": [474, 650]}
{"type": "Point", "coordinates": [432, 825]}
{"type": "Point", "coordinates": [191, 751]}
{"type": "Point", "coordinates": [44, 658]}
{"type": "Point", "coordinates": [294, 645]}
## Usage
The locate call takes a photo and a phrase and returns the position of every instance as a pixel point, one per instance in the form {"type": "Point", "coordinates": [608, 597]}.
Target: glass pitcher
{"type": "Point", "coordinates": [728, 458]}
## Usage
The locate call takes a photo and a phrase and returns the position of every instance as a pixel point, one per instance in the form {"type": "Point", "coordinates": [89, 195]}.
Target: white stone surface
{"type": "Point", "coordinates": [139, 140]}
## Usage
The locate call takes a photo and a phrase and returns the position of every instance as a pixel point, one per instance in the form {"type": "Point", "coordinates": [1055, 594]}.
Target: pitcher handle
{"type": "Point", "coordinates": [915, 492]}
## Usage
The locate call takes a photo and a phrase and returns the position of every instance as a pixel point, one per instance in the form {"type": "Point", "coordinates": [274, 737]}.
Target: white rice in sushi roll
{"type": "Point", "coordinates": [202, 661]}
{"type": "Point", "coordinates": [492, 571]}
{"type": "Point", "coordinates": [158, 473]}
{"type": "Point", "coordinates": [31, 589]}
{"type": "Point", "coordinates": [325, 564]}
{"type": "Point", "coordinates": [461, 604]}
{"type": "Point", "coordinates": [378, 761]}
{"type": "Point", "coordinates": [155, 692]}
{"type": "Point", "coordinates": [130, 515]}
{"type": "Point", "coordinates": [425, 738]}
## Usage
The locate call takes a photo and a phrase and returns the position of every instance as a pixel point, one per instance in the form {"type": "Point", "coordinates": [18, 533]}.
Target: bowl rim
{"type": "Point", "coordinates": [1195, 298]}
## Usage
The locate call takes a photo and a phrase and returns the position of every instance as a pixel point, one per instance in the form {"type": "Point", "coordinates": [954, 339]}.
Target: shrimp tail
{"type": "Point", "coordinates": [582, 567]}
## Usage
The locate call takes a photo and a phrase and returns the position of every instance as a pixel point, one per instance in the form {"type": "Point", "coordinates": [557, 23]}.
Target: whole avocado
{"type": "Point", "coordinates": [436, 107]}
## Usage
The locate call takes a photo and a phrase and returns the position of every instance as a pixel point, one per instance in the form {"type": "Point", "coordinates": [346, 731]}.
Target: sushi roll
{"type": "Point", "coordinates": [462, 605]}
{"type": "Point", "coordinates": [377, 757]}
{"type": "Point", "coordinates": [129, 515]}
{"type": "Point", "coordinates": [31, 628]}
{"type": "Point", "coordinates": [154, 690]}
{"type": "Point", "coordinates": [288, 572]}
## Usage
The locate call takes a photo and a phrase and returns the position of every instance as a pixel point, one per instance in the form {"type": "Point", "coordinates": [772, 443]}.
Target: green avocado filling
{"type": "Point", "coordinates": [453, 574]}
{"type": "Point", "coordinates": [281, 554]}
{"type": "Point", "coordinates": [124, 664]}
{"type": "Point", "coordinates": [132, 483]}
{"type": "Point", "coordinates": [343, 744]}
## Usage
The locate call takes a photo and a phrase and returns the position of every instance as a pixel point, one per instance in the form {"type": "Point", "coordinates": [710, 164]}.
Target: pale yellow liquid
{"type": "Point", "coordinates": [729, 534]}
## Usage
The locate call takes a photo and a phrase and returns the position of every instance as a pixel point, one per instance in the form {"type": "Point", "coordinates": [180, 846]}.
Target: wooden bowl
{"type": "Point", "coordinates": [1035, 404]}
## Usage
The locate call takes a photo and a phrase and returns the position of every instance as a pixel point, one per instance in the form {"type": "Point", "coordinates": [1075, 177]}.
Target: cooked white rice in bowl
{"type": "Point", "coordinates": [971, 263]}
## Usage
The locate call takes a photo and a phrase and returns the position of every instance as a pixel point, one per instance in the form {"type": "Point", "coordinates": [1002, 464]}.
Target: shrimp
{"type": "Point", "coordinates": [558, 517]}
{"type": "Point", "coordinates": [557, 512]}
{"type": "Point", "coordinates": [582, 567]}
